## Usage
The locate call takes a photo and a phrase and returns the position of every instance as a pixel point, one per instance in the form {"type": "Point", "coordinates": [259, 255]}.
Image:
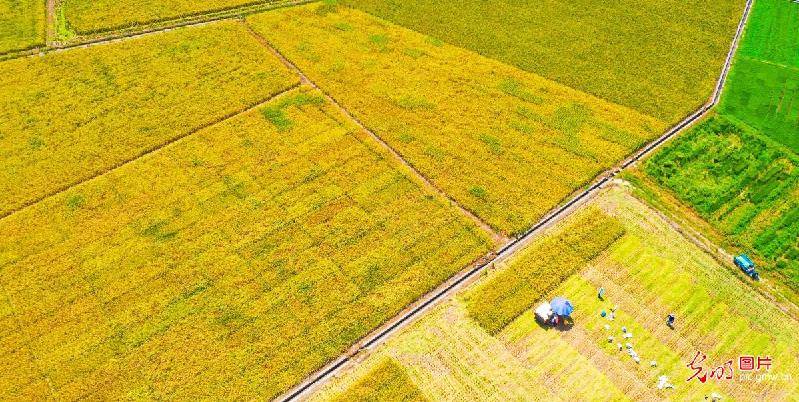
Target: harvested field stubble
{"type": "Point", "coordinates": [649, 272]}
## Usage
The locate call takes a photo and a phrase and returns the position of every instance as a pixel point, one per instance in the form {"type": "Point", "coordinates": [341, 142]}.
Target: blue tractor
{"type": "Point", "coordinates": [745, 263]}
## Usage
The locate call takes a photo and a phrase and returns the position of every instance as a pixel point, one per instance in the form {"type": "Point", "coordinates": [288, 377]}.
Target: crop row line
{"type": "Point", "coordinates": [497, 236]}
{"type": "Point", "coordinates": [458, 281]}
{"type": "Point", "coordinates": [148, 151]}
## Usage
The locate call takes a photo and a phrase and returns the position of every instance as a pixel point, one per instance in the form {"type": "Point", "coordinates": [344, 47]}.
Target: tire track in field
{"type": "Point", "coordinates": [458, 281]}
{"type": "Point", "coordinates": [497, 236]}
{"type": "Point", "coordinates": [148, 151]}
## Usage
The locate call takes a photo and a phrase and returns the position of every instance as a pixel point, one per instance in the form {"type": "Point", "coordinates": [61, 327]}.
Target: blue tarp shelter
{"type": "Point", "coordinates": [561, 306]}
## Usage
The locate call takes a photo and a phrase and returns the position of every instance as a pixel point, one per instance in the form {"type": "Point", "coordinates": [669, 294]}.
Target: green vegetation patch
{"type": "Point", "coordinates": [763, 88]}
{"type": "Point", "coordinates": [386, 382]}
{"type": "Point", "coordinates": [772, 34]}
{"type": "Point", "coordinates": [538, 269]}
{"type": "Point", "coordinates": [742, 183]}
{"type": "Point", "coordinates": [661, 57]}
{"type": "Point", "coordinates": [766, 96]}
{"type": "Point", "coordinates": [22, 24]}
{"type": "Point", "coordinates": [276, 113]}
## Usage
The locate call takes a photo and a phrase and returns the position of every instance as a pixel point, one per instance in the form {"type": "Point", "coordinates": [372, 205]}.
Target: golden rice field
{"type": "Point", "coordinates": [660, 57]}
{"type": "Point", "coordinates": [22, 24]}
{"type": "Point", "coordinates": [90, 16]}
{"type": "Point", "coordinates": [386, 382]}
{"type": "Point", "coordinates": [70, 115]}
{"type": "Point", "coordinates": [229, 264]}
{"type": "Point", "coordinates": [506, 144]}
{"type": "Point", "coordinates": [649, 272]}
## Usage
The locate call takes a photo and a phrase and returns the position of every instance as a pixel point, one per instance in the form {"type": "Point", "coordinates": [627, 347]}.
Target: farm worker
{"type": "Point", "coordinates": [670, 320]}
{"type": "Point", "coordinates": [601, 294]}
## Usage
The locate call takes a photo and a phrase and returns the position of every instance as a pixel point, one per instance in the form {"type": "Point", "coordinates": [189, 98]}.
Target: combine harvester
{"type": "Point", "coordinates": [745, 263]}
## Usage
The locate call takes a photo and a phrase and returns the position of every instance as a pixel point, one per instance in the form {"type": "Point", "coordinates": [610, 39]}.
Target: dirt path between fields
{"type": "Point", "coordinates": [50, 33]}
{"type": "Point", "coordinates": [498, 237]}
{"type": "Point", "coordinates": [460, 280]}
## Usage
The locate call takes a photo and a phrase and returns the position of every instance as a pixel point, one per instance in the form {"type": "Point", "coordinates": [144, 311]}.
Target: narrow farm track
{"type": "Point", "coordinates": [50, 32]}
{"type": "Point", "coordinates": [149, 151]}
{"type": "Point", "coordinates": [460, 280]}
{"type": "Point", "coordinates": [498, 237]}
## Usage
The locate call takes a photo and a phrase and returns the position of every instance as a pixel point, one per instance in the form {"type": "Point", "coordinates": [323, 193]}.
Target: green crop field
{"type": "Point", "coordinates": [68, 116]}
{"type": "Point", "coordinates": [742, 183]}
{"type": "Point", "coordinates": [739, 170]}
{"type": "Point", "coordinates": [22, 24]}
{"type": "Point", "coordinates": [763, 86]}
{"type": "Point", "coordinates": [90, 16]}
{"type": "Point", "coordinates": [232, 263]}
{"type": "Point", "coordinates": [506, 144]}
{"type": "Point", "coordinates": [659, 57]}
{"type": "Point", "coordinates": [648, 272]}
{"type": "Point", "coordinates": [771, 34]}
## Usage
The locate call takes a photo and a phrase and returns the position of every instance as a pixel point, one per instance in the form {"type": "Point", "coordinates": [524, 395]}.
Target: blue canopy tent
{"type": "Point", "coordinates": [561, 306]}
